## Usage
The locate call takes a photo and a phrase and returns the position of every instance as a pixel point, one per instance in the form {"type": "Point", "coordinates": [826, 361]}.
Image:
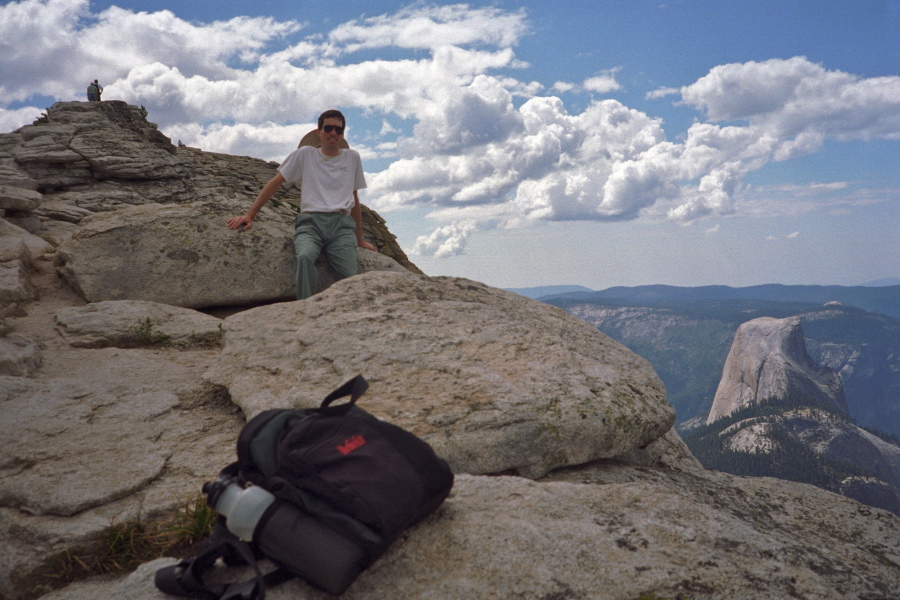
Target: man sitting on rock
{"type": "Point", "coordinates": [331, 220]}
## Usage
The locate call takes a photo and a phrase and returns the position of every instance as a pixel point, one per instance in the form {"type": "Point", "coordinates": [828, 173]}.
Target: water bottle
{"type": "Point", "coordinates": [241, 507]}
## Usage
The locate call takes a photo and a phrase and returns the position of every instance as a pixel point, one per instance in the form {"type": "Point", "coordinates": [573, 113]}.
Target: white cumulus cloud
{"type": "Point", "coordinates": [798, 102]}
{"type": "Point", "coordinates": [426, 27]}
{"type": "Point", "coordinates": [603, 83]}
{"type": "Point", "coordinates": [55, 47]}
{"type": "Point", "coordinates": [445, 241]}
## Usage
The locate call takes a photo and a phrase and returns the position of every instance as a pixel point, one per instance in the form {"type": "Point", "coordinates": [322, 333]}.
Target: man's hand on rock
{"type": "Point", "coordinates": [235, 222]}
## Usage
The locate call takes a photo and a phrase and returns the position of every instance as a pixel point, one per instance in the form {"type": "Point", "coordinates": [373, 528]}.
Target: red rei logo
{"type": "Point", "coordinates": [351, 444]}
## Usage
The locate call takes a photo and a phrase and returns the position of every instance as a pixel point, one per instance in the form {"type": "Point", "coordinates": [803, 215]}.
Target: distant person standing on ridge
{"type": "Point", "coordinates": [99, 90]}
{"type": "Point", "coordinates": [93, 91]}
{"type": "Point", "coordinates": [330, 218]}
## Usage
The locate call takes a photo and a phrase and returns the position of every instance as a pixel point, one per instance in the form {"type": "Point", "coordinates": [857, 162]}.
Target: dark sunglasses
{"type": "Point", "coordinates": [336, 128]}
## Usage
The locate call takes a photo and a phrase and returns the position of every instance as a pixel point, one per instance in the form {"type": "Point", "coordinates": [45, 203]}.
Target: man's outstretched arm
{"type": "Point", "coordinates": [356, 213]}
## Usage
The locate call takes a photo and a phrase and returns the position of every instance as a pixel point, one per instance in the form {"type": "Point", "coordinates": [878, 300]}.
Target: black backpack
{"type": "Point", "coordinates": [346, 485]}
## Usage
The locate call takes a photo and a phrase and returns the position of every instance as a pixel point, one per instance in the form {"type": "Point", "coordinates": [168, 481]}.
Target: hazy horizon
{"type": "Point", "coordinates": [886, 282]}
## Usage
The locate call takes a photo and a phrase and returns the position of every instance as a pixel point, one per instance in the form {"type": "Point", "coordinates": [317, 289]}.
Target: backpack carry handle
{"type": "Point", "coordinates": [354, 388]}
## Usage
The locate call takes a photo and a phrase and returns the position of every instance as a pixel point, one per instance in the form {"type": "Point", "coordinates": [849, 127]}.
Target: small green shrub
{"type": "Point", "coordinates": [146, 334]}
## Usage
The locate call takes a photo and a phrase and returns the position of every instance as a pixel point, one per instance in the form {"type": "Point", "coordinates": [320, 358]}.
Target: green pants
{"type": "Point", "coordinates": [334, 233]}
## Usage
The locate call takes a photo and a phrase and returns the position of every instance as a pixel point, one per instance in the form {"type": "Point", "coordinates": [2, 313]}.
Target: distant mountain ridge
{"type": "Point", "coordinates": [548, 290]}
{"type": "Point", "coordinates": [882, 282]}
{"type": "Point", "coordinates": [687, 343]}
{"type": "Point", "coordinates": [884, 300]}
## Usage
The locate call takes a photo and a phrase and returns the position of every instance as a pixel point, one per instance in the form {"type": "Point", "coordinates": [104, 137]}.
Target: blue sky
{"type": "Point", "coordinates": [605, 143]}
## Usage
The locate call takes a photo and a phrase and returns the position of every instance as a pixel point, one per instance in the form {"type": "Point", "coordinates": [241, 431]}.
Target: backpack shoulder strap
{"type": "Point", "coordinates": [257, 444]}
{"type": "Point", "coordinates": [187, 577]}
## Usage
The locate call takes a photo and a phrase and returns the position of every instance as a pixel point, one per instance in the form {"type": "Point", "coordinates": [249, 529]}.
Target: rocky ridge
{"type": "Point", "coordinates": [571, 481]}
{"type": "Point", "coordinates": [132, 195]}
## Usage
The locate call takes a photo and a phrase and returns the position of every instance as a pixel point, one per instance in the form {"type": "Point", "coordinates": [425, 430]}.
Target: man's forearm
{"type": "Point", "coordinates": [265, 195]}
{"type": "Point", "coordinates": [356, 213]}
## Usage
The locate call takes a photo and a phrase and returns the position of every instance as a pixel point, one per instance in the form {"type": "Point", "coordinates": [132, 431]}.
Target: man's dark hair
{"type": "Point", "coordinates": [332, 114]}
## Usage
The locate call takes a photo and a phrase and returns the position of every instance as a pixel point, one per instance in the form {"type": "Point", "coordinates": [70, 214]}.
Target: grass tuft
{"type": "Point", "coordinates": [122, 547]}
{"type": "Point", "coordinates": [146, 334]}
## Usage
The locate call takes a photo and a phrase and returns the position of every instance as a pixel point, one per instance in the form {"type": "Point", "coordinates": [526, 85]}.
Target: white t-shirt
{"type": "Point", "coordinates": [326, 183]}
